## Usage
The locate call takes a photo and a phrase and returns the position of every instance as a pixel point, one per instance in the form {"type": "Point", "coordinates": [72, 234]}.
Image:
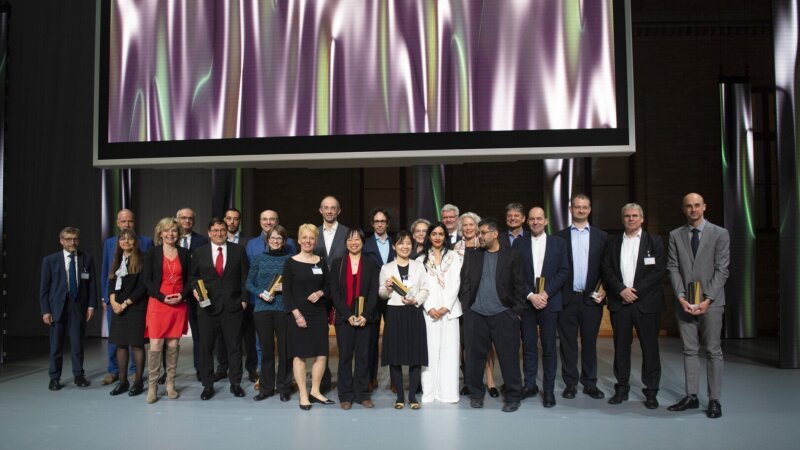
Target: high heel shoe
{"type": "Point", "coordinates": [305, 407]}
{"type": "Point", "coordinates": [322, 402]}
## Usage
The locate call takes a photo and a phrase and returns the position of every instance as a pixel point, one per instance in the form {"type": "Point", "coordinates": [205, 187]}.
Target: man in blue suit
{"type": "Point", "coordinates": [68, 298]}
{"type": "Point", "coordinates": [545, 257]}
{"type": "Point", "coordinates": [125, 220]}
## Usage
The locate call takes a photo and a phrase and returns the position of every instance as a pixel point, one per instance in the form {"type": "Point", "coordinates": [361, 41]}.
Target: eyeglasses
{"type": "Point", "coordinates": [218, 230]}
{"type": "Point", "coordinates": [71, 239]}
{"type": "Point", "coordinates": [276, 238]}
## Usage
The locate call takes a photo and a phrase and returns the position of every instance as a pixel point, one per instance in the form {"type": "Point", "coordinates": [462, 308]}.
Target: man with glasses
{"type": "Point", "coordinates": [450, 220]}
{"type": "Point", "coordinates": [190, 240]}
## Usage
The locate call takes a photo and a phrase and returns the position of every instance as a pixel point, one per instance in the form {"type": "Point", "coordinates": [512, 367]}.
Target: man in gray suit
{"type": "Point", "coordinates": [699, 252]}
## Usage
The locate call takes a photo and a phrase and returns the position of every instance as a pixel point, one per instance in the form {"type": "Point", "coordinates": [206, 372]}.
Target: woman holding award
{"type": "Point", "coordinates": [443, 278]}
{"type": "Point", "coordinates": [264, 280]}
{"type": "Point", "coordinates": [403, 284]}
{"type": "Point", "coordinates": [354, 290]}
{"type": "Point", "coordinates": [128, 300]}
{"type": "Point", "coordinates": [304, 279]}
{"type": "Point", "coordinates": [166, 268]}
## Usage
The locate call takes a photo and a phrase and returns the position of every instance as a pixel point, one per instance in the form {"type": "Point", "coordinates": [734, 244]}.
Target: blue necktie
{"type": "Point", "coordinates": [73, 279]}
{"type": "Point", "coordinates": [695, 240]}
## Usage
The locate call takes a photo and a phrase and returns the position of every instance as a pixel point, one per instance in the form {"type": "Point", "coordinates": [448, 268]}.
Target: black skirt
{"type": "Point", "coordinates": [308, 342]}
{"type": "Point", "coordinates": [404, 337]}
{"type": "Point", "coordinates": [128, 327]}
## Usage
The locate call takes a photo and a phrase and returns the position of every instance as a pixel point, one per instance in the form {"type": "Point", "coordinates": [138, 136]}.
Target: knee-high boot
{"type": "Point", "coordinates": [154, 366]}
{"type": "Point", "coordinates": [172, 366]}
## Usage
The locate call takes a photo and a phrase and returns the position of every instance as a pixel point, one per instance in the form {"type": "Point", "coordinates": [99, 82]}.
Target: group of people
{"type": "Point", "coordinates": [451, 296]}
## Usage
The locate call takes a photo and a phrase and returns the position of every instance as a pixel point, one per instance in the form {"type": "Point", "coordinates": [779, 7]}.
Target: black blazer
{"type": "Point", "coordinates": [554, 268]}
{"type": "Point", "coordinates": [337, 286]}
{"type": "Point", "coordinates": [133, 288]}
{"type": "Point", "coordinates": [597, 246]}
{"type": "Point", "coordinates": [153, 272]}
{"type": "Point", "coordinates": [198, 240]}
{"type": "Point", "coordinates": [373, 254]}
{"type": "Point", "coordinates": [646, 281]}
{"type": "Point", "coordinates": [510, 280]}
{"type": "Point", "coordinates": [227, 292]}
{"type": "Point", "coordinates": [502, 236]}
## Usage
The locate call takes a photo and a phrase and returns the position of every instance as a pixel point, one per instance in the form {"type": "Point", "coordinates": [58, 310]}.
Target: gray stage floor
{"type": "Point", "coordinates": [760, 411]}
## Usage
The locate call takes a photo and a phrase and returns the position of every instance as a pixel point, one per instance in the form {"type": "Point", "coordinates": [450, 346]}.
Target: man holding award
{"type": "Point", "coordinates": [583, 299]}
{"type": "Point", "coordinates": [544, 262]}
{"type": "Point", "coordinates": [698, 257]}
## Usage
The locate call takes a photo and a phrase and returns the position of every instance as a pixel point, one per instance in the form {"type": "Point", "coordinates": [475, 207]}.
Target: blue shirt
{"type": "Point", "coordinates": [580, 256]}
{"type": "Point", "coordinates": [383, 248]}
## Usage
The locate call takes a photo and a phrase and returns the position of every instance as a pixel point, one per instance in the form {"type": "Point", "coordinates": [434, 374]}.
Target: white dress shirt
{"type": "Point", "coordinates": [538, 247]}
{"type": "Point", "coordinates": [628, 257]}
{"type": "Point", "coordinates": [214, 253]}
{"type": "Point", "coordinates": [328, 234]}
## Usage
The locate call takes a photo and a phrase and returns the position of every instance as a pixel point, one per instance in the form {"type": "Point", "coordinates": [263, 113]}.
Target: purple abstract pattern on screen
{"type": "Point", "coordinates": [211, 69]}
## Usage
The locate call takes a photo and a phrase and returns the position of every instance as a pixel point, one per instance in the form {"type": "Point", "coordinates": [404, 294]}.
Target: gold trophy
{"type": "Point", "coordinates": [599, 290]}
{"type": "Point", "coordinates": [695, 296]}
{"type": "Point", "coordinates": [275, 281]}
{"type": "Point", "coordinates": [201, 289]}
{"type": "Point", "coordinates": [399, 287]}
{"type": "Point", "coordinates": [539, 287]}
{"type": "Point", "coordinates": [360, 307]}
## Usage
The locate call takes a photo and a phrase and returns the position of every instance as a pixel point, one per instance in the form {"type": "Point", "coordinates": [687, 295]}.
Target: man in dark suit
{"type": "Point", "coordinates": [125, 221]}
{"type": "Point", "coordinates": [449, 215]}
{"type": "Point", "coordinates": [699, 252]}
{"type": "Point", "coordinates": [68, 298]}
{"type": "Point", "coordinates": [223, 268]}
{"type": "Point", "coordinates": [190, 240]}
{"type": "Point", "coordinates": [330, 245]}
{"type": "Point", "coordinates": [582, 308]}
{"type": "Point", "coordinates": [633, 266]}
{"type": "Point", "coordinates": [378, 249]}
{"type": "Point", "coordinates": [515, 218]}
{"type": "Point", "coordinates": [544, 257]}
{"type": "Point", "coordinates": [492, 295]}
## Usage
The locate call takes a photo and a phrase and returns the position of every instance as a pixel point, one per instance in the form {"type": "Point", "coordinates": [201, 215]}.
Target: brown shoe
{"type": "Point", "coordinates": [345, 405]}
{"type": "Point", "coordinates": [368, 404]}
{"type": "Point", "coordinates": [373, 383]}
{"type": "Point", "coordinates": [110, 378]}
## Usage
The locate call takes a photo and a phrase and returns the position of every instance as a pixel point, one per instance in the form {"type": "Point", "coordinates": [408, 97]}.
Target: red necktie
{"type": "Point", "coordinates": [218, 264]}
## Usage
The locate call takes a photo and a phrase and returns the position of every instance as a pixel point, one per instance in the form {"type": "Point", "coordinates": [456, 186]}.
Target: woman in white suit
{"type": "Point", "coordinates": [442, 310]}
{"type": "Point", "coordinates": [404, 338]}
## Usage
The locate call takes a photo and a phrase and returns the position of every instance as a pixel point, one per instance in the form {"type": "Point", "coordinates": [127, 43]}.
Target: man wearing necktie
{"type": "Point", "coordinates": [699, 252]}
{"type": "Point", "coordinates": [191, 240]}
{"type": "Point", "coordinates": [68, 298]}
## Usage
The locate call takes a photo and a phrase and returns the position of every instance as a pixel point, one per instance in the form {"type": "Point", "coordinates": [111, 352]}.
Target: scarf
{"type": "Point", "coordinates": [353, 282]}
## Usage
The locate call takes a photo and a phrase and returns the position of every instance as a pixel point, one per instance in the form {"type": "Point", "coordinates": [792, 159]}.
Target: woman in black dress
{"type": "Point", "coordinates": [304, 279]}
{"type": "Point", "coordinates": [128, 300]}
{"type": "Point", "coordinates": [354, 276]}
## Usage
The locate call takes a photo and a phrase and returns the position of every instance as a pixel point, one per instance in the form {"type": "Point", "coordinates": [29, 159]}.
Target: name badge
{"type": "Point", "coordinates": [649, 261]}
{"type": "Point", "coordinates": [84, 275]}
{"type": "Point", "coordinates": [316, 270]}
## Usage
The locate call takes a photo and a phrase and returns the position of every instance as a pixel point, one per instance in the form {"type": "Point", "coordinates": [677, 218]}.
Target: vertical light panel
{"type": "Point", "coordinates": [738, 188]}
{"type": "Point", "coordinates": [786, 33]}
{"type": "Point", "coordinates": [557, 191]}
{"type": "Point", "coordinates": [429, 191]}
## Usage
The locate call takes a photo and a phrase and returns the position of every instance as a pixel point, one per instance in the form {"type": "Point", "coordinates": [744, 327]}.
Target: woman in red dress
{"type": "Point", "coordinates": [166, 269]}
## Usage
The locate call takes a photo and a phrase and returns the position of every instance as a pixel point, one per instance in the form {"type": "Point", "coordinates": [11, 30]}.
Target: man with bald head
{"type": "Point", "coordinates": [258, 244]}
{"type": "Point", "coordinates": [699, 252]}
{"type": "Point", "coordinates": [125, 221]}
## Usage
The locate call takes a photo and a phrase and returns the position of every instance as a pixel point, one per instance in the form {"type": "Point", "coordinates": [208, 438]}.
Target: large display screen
{"type": "Point", "coordinates": [360, 82]}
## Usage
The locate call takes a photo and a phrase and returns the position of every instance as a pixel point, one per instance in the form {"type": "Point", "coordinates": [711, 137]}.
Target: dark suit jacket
{"type": "Point", "coordinates": [646, 281]}
{"type": "Point", "coordinates": [133, 288]}
{"type": "Point", "coordinates": [510, 280]}
{"type": "Point", "coordinates": [373, 254]}
{"type": "Point", "coordinates": [504, 239]}
{"type": "Point", "coordinates": [226, 292]}
{"type": "Point", "coordinates": [54, 289]}
{"type": "Point", "coordinates": [197, 240]}
{"type": "Point", "coordinates": [337, 286]}
{"type": "Point", "coordinates": [554, 268]}
{"type": "Point", "coordinates": [597, 245]}
{"type": "Point", "coordinates": [338, 248]}
{"type": "Point", "coordinates": [153, 272]}
{"type": "Point", "coordinates": [109, 247]}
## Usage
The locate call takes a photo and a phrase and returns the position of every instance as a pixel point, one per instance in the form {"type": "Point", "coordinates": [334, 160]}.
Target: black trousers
{"type": "Point", "coordinates": [414, 379]}
{"type": "Point", "coordinates": [195, 334]}
{"type": "Point", "coordinates": [578, 317]}
{"type": "Point", "coordinates": [72, 324]}
{"type": "Point", "coordinates": [354, 343]}
{"type": "Point", "coordinates": [249, 338]}
{"type": "Point", "coordinates": [647, 326]}
{"type": "Point", "coordinates": [534, 323]}
{"type": "Point", "coordinates": [229, 326]}
{"type": "Point", "coordinates": [271, 327]}
{"type": "Point", "coordinates": [479, 334]}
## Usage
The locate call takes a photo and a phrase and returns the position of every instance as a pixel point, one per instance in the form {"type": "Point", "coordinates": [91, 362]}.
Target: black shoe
{"type": "Point", "coordinates": [464, 391]}
{"type": "Point", "coordinates": [252, 375]}
{"type": "Point", "coordinates": [305, 407]}
{"type": "Point", "coordinates": [220, 376]}
{"type": "Point", "coordinates": [323, 402]}
{"type": "Point", "coordinates": [55, 385]}
{"type": "Point", "coordinates": [593, 392]}
{"type": "Point", "coordinates": [263, 396]}
{"type": "Point", "coordinates": [569, 391]}
{"type": "Point", "coordinates": [208, 392]}
{"type": "Point", "coordinates": [163, 378]}
{"type": "Point", "coordinates": [714, 410]}
{"type": "Point", "coordinates": [510, 407]}
{"type": "Point", "coordinates": [285, 397]}
{"type": "Point", "coordinates": [237, 390]}
{"type": "Point", "coordinates": [476, 402]}
{"type": "Point", "coordinates": [121, 388]}
{"type": "Point", "coordinates": [136, 388]}
{"type": "Point", "coordinates": [688, 402]}
{"type": "Point", "coordinates": [620, 395]}
{"type": "Point", "coordinates": [81, 381]}
{"type": "Point", "coordinates": [199, 378]}
{"type": "Point", "coordinates": [650, 401]}
{"type": "Point", "coordinates": [529, 391]}
{"type": "Point", "coordinates": [493, 392]}
{"type": "Point", "coordinates": [548, 399]}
